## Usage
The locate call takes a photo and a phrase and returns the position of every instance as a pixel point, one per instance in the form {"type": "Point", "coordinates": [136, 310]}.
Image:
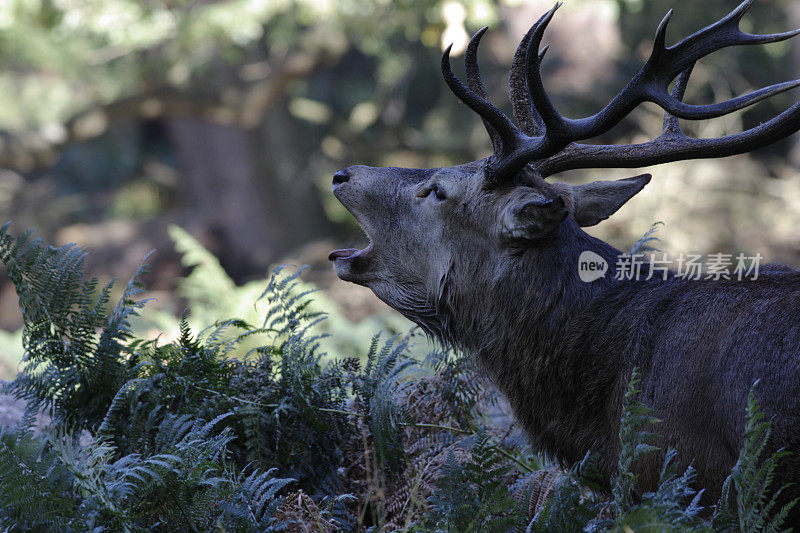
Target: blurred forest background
{"type": "Point", "coordinates": [121, 119]}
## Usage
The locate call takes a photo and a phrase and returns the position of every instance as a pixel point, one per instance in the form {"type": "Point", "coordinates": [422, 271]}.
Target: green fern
{"type": "Point", "coordinates": [379, 387]}
{"type": "Point", "coordinates": [643, 245]}
{"type": "Point", "coordinates": [749, 501]}
{"type": "Point", "coordinates": [36, 486]}
{"type": "Point", "coordinates": [635, 442]}
{"type": "Point", "coordinates": [473, 495]}
{"type": "Point", "coordinates": [75, 352]}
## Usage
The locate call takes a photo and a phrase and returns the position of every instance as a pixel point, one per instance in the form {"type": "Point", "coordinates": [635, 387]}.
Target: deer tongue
{"type": "Point", "coordinates": [341, 254]}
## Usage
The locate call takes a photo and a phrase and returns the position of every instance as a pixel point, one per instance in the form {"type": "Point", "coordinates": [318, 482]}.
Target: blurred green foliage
{"type": "Point", "coordinates": [61, 56]}
{"type": "Point", "coordinates": [212, 297]}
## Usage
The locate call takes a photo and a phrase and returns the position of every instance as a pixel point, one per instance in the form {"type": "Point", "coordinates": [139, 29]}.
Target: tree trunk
{"type": "Point", "coordinates": [248, 194]}
{"type": "Point", "coordinates": [222, 203]}
{"type": "Point", "coordinates": [288, 180]}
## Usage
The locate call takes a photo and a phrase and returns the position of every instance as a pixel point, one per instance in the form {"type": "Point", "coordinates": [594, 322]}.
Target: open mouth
{"type": "Point", "coordinates": [348, 261]}
{"type": "Point", "coordinates": [349, 253]}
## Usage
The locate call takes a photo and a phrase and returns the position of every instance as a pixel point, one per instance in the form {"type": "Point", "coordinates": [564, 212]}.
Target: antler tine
{"type": "Point", "coordinates": [476, 83]}
{"type": "Point", "coordinates": [672, 126]}
{"type": "Point", "coordinates": [739, 12]}
{"type": "Point", "coordinates": [673, 144]}
{"type": "Point", "coordinates": [670, 61]}
{"type": "Point", "coordinates": [667, 62]}
{"type": "Point", "coordinates": [506, 131]}
{"type": "Point", "coordinates": [664, 64]}
{"type": "Point", "coordinates": [528, 118]}
{"type": "Point", "coordinates": [665, 149]}
{"type": "Point", "coordinates": [543, 52]}
{"type": "Point", "coordinates": [660, 40]}
{"type": "Point", "coordinates": [700, 112]}
{"type": "Point", "coordinates": [471, 61]}
{"type": "Point", "coordinates": [651, 83]}
{"type": "Point", "coordinates": [552, 121]}
{"type": "Point", "coordinates": [561, 130]}
{"type": "Point", "coordinates": [736, 15]}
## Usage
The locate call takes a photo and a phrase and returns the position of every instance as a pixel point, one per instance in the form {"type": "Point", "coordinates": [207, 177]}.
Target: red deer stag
{"type": "Point", "coordinates": [484, 256]}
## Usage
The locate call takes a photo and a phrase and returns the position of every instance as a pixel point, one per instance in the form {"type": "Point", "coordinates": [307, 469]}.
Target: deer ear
{"type": "Point", "coordinates": [533, 218]}
{"type": "Point", "coordinates": [596, 201]}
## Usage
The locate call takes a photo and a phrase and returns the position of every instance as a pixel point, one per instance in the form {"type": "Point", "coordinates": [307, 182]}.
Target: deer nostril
{"type": "Point", "coordinates": [341, 177]}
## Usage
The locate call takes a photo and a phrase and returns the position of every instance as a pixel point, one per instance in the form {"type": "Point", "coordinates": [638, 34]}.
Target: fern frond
{"type": "Point", "coordinates": [643, 245]}
{"type": "Point", "coordinates": [634, 443]}
{"type": "Point", "coordinates": [751, 480]}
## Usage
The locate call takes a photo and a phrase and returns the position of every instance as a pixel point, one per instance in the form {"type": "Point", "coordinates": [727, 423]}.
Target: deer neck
{"type": "Point", "coordinates": [527, 300]}
{"type": "Point", "coordinates": [519, 329]}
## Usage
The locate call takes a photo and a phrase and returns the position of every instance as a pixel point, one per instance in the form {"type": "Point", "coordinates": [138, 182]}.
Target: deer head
{"type": "Point", "coordinates": [434, 232]}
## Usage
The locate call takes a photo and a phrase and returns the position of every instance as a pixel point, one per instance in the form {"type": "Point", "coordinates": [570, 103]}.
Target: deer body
{"type": "Point", "coordinates": [562, 351]}
{"type": "Point", "coordinates": [485, 256]}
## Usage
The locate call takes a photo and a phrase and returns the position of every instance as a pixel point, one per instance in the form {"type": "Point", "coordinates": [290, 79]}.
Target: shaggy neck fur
{"type": "Point", "coordinates": [523, 338]}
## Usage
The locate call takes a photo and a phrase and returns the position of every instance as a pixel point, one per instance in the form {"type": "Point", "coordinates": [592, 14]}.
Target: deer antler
{"type": "Point", "coordinates": [548, 138]}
